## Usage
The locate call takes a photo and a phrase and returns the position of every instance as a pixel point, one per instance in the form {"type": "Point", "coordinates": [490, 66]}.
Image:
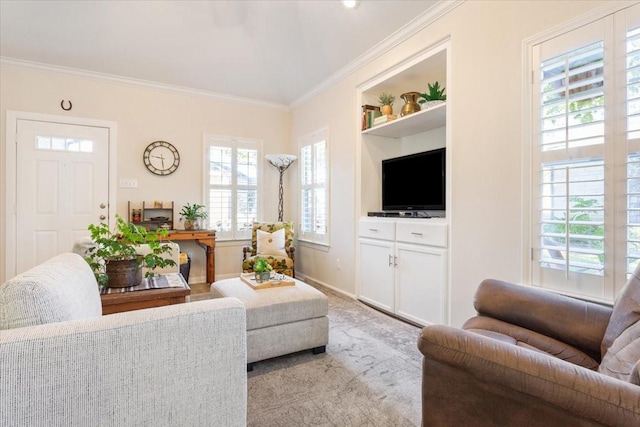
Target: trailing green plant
{"type": "Point", "coordinates": [386, 99]}
{"type": "Point", "coordinates": [122, 243]}
{"type": "Point", "coordinates": [192, 212]}
{"type": "Point", "coordinates": [434, 93]}
{"type": "Point", "coordinates": [261, 265]}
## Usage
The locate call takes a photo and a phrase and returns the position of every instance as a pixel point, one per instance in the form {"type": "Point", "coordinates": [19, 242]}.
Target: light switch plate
{"type": "Point", "coordinates": [128, 183]}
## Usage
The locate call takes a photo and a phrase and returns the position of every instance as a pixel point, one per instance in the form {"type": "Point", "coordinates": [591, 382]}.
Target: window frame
{"type": "Point", "coordinates": [310, 140]}
{"type": "Point", "coordinates": [235, 143]}
{"type": "Point", "coordinates": [615, 274]}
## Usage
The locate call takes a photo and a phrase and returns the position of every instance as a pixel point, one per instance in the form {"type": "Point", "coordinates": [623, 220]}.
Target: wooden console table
{"type": "Point", "coordinates": [207, 241]}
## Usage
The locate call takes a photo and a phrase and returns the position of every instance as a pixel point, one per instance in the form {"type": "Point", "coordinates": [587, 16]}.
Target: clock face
{"type": "Point", "coordinates": [161, 158]}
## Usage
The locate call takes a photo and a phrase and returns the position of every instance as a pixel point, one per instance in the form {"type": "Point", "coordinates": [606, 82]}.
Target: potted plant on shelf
{"type": "Point", "coordinates": [434, 96]}
{"type": "Point", "coordinates": [192, 214]}
{"type": "Point", "coordinates": [386, 101]}
{"type": "Point", "coordinates": [262, 270]}
{"type": "Point", "coordinates": [114, 256]}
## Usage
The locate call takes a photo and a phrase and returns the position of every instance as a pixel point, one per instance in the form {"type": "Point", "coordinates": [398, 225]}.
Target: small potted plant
{"type": "Point", "coordinates": [262, 270]}
{"type": "Point", "coordinates": [192, 214]}
{"type": "Point", "coordinates": [114, 256]}
{"type": "Point", "coordinates": [435, 95]}
{"type": "Point", "coordinates": [386, 101]}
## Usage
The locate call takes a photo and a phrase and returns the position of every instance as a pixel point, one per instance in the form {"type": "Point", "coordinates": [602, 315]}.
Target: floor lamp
{"type": "Point", "coordinates": [281, 162]}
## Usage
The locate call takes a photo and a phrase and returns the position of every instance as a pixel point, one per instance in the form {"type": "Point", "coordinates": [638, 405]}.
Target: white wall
{"type": "Point", "coordinates": [484, 96]}
{"type": "Point", "coordinates": [145, 115]}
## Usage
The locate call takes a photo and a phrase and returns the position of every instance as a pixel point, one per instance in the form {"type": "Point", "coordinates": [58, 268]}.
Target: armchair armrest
{"type": "Point", "coordinates": [246, 251]}
{"type": "Point", "coordinates": [575, 322]}
{"type": "Point", "coordinates": [136, 368]}
{"type": "Point", "coordinates": [473, 380]}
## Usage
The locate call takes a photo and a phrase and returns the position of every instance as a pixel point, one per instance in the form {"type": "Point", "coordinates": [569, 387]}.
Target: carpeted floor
{"type": "Point", "coordinates": [369, 376]}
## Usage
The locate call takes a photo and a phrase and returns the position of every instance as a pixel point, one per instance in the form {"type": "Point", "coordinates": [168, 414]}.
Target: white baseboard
{"type": "Point", "coordinates": [319, 282]}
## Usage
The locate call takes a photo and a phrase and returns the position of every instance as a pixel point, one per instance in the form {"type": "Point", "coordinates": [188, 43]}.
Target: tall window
{"type": "Point", "coordinates": [314, 188]}
{"type": "Point", "coordinates": [232, 174]}
{"type": "Point", "coordinates": [586, 158]}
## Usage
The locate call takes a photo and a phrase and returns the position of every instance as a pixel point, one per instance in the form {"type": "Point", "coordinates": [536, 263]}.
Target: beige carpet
{"type": "Point", "coordinates": [369, 376]}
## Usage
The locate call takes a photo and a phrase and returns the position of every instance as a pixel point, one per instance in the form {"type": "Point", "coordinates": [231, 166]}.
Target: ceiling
{"type": "Point", "coordinates": [268, 51]}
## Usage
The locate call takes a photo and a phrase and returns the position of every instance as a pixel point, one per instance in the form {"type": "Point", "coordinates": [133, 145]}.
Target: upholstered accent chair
{"type": "Point", "coordinates": [535, 358]}
{"type": "Point", "coordinates": [273, 242]}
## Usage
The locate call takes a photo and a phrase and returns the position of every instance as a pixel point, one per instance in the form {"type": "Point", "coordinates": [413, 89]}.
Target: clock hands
{"type": "Point", "coordinates": [161, 157]}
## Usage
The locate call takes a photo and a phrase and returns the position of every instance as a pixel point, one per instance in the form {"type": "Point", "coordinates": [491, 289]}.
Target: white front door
{"type": "Point", "coordinates": [62, 186]}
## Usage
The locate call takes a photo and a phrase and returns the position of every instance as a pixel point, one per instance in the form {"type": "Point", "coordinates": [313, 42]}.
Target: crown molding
{"type": "Point", "coordinates": [412, 27]}
{"type": "Point", "coordinates": [74, 72]}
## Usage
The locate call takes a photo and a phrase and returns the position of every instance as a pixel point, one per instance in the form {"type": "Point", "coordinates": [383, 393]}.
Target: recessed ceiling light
{"type": "Point", "coordinates": [351, 4]}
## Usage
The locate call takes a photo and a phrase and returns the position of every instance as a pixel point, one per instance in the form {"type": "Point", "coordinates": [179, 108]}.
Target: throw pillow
{"type": "Point", "coordinates": [271, 243]}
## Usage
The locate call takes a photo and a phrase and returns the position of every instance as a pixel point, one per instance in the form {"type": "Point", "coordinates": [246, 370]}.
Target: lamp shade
{"type": "Point", "coordinates": [281, 160]}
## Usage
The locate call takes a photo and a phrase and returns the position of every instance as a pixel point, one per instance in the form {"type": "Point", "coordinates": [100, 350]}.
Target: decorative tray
{"type": "Point", "coordinates": [276, 281]}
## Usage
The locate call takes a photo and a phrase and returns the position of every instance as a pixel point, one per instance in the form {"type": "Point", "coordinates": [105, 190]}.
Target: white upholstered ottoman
{"type": "Point", "coordinates": [280, 320]}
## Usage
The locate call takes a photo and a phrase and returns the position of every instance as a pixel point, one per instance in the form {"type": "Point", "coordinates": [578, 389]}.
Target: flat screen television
{"type": "Point", "coordinates": [415, 182]}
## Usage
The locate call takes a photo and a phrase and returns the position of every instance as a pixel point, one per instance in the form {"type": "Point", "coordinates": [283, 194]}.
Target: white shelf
{"type": "Point", "coordinates": [424, 120]}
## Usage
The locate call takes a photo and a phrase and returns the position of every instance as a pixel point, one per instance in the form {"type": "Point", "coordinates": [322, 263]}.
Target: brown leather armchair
{"type": "Point", "coordinates": [534, 358]}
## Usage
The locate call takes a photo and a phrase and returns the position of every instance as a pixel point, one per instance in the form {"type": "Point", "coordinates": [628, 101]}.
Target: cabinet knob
{"type": "Point", "coordinates": [375, 230]}
{"type": "Point", "coordinates": [390, 262]}
{"type": "Point", "coordinates": [103, 217]}
{"type": "Point", "coordinates": [416, 234]}
{"type": "Point", "coordinates": [102, 206]}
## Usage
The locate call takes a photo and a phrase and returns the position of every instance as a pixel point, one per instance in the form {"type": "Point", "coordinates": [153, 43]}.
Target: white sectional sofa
{"type": "Point", "coordinates": [64, 364]}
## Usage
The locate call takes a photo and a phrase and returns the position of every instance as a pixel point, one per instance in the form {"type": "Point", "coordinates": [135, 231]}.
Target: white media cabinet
{"type": "Point", "coordinates": [403, 267]}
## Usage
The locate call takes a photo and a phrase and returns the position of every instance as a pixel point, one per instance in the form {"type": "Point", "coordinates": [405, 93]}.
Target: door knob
{"type": "Point", "coordinates": [103, 217]}
{"type": "Point", "coordinates": [102, 206]}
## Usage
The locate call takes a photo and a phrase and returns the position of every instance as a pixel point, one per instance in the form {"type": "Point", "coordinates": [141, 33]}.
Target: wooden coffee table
{"type": "Point", "coordinates": [128, 301]}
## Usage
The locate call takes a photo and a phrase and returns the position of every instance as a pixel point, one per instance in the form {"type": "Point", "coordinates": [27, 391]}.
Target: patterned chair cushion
{"type": "Point", "coordinates": [280, 264]}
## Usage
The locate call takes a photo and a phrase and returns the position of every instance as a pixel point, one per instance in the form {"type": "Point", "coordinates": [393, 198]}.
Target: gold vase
{"type": "Point", "coordinates": [411, 105]}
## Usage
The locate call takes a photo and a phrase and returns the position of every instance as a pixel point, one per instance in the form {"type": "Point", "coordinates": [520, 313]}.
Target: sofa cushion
{"type": "Point", "coordinates": [62, 288]}
{"type": "Point", "coordinates": [626, 311]}
{"type": "Point", "coordinates": [522, 337]}
{"type": "Point", "coordinates": [622, 359]}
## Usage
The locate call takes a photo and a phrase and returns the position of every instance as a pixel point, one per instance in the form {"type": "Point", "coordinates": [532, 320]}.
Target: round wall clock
{"type": "Point", "coordinates": [161, 158]}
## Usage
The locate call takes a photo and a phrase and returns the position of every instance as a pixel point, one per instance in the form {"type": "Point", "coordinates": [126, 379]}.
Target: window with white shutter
{"type": "Point", "coordinates": [314, 188]}
{"type": "Point", "coordinates": [585, 169]}
{"type": "Point", "coordinates": [232, 188]}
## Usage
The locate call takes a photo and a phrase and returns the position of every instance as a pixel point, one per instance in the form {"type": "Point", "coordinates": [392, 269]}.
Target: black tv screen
{"type": "Point", "coordinates": [415, 182]}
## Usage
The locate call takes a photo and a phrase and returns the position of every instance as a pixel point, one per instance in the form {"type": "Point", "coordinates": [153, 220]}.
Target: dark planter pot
{"type": "Point", "coordinates": [123, 274]}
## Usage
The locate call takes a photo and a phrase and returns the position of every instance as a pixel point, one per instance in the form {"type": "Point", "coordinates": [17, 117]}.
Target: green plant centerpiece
{"type": "Point", "coordinates": [262, 270]}
{"type": "Point", "coordinates": [114, 256]}
{"type": "Point", "coordinates": [191, 214]}
{"type": "Point", "coordinates": [386, 101]}
{"type": "Point", "coordinates": [434, 93]}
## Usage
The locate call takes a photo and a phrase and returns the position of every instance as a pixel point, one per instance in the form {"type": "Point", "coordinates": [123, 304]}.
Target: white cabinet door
{"type": "Point", "coordinates": [376, 273]}
{"type": "Point", "coordinates": [421, 276]}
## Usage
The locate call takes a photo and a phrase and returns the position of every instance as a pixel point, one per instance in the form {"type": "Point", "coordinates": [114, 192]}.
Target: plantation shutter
{"type": "Point", "coordinates": [314, 188]}
{"type": "Point", "coordinates": [585, 228]}
{"type": "Point", "coordinates": [631, 23]}
{"type": "Point", "coordinates": [231, 172]}
{"type": "Point", "coordinates": [569, 162]}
